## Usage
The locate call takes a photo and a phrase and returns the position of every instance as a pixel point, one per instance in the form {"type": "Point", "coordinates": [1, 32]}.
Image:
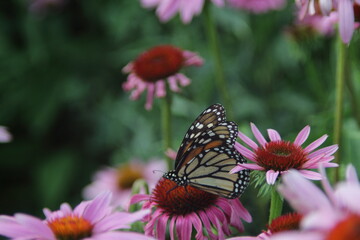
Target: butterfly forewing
{"type": "Point", "coordinates": [208, 119]}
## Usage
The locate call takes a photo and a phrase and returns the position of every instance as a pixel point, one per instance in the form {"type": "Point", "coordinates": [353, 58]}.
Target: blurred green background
{"type": "Point", "coordinates": [61, 94]}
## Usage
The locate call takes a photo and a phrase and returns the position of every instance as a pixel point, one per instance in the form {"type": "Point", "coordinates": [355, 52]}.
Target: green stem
{"type": "Point", "coordinates": [339, 98]}
{"type": "Point", "coordinates": [215, 50]}
{"type": "Point", "coordinates": [166, 126]}
{"type": "Point", "coordinates": [276, 205]}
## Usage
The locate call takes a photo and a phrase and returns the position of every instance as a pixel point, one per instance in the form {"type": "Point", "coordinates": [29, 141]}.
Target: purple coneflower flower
{"type": "Point", "coordinates": [330, 216]}
{"type": "Point", "coordinates": [90, 220]}
{"type": "Point", "coordinates": [278, 156]}
{"type": "Point", "coordinates": [119, 181]}
{"type": "Point", "coordinates": [348, 12]}
{"type": "Point", "coordinates": [152, 68]}
{"type": "Point", "coordinates": [180, 209]}
{"type": "Point", "coordinates": [257, 6]}
{"type": "Point", "coordinates": [166, 9]}
{"type": "Point", "coordinates": [286, 222]}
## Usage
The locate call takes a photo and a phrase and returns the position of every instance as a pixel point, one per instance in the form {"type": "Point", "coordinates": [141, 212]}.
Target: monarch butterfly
{"type": "Point", "coordinates": [207, 154]}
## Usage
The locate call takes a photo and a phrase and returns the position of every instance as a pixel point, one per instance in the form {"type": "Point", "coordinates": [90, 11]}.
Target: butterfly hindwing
{"type": "Point", "coordinates": [209, 171]}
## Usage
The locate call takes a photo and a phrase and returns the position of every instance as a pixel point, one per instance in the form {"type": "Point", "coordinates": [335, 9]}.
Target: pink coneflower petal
{"type": "Point", "coordinates": [160, 89]}
{"type": "Point", "coordinates": [150, 97]}
{"type": "Point", "coordinates": [161, 226]}
{"type": "Point", "coordinates": [171, 227]}
{"type": "Point", "coordinates": [271, 176]}
{"type": "Point", "coordinates": [302, 136]}
{"type": "Point", "coordinates": [315, 144]}
{"type": "Point", "coordinates": [346, 19]}
{"type": "Point", "coordinates": [173, 84]}
{"type": "Point", "coordinates": [259, 137]}
{"type": "Point", "coordinates": [245, 152]}
{"type": "Point", "coordinates": [273, 135]}
{"type": "Point", "coordinates": [35, 225]}
{"type": "Point", "coordinates": [326, 151]}
{"type": "Point", "coordinates": [351, 175]}
{"type": "Point", "coordinates": [149, 3]}
{"type": "Point", "coordinates": [243, 166]}
{"type": "Point", "coordinates": [183, 80]}
{"type": "Point", "coordinates": [96, 209]}
{"type": "Point", "coordinates": [342, 194]}
{"type": "Point", "coordinates": [305, 197]}
{"type": "Point", "coordinates": [310, 174]}
{"type": "Point", "coordinates": [192, 59]}
{"type": "Point", "coordinates": [196, 222]}
{"type": "Point", "coordinates": [313, 162]}
{"type": "Point", "coordinates": [326, 6]}
{"type": "Point", "coordinates": [247, 140]}
{"type": "Point", "coordinates": [189, 9]}
{"type": "Point", "coordinates": [218, 3]}
{"type": "Point", "coordinates": [167, 9]}
{"type": "Point", "coordinates": [5, 136]}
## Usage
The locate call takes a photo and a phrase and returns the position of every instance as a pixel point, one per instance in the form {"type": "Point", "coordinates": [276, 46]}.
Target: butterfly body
{"type": "Point", "coordinates": [207, 154]}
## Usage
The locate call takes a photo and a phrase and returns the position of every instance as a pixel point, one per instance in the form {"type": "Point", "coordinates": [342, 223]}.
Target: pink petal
{"type": "Point", "coordinates": [173, 84]}
{"type": "Point", "coordinates": [219, 3]}
{"type": "Point", "coordinates": [259, 137]}
{"type": "Point", "coordinates": [171, 228]}
{"type": "Point", "coordinates": [245, 152]}
{"type": "Point", "coordinates": [196, 222]}
{"type": "Point", "coordinates": [247, 140]}
{"type": "Point", "coordinates": [5, 136]}
{"type": "Point", "coordinates": [347, 197]}
{"type": "Point", "coordinates": [302, 194]}
{"type": "Point", "coordinates": [273, 135]}
{"type": "Point", "coordinates": [183, 80]}
{"type": "Point", "coordinates": [150, 96]}
{"type": "Point", "coordinates": [351, 175]}
{"type": "Point", "coordinates": [325, 6]}
{"type": "Point", "coordinates": [243, 166]}
{"type": "Point", "coordinates": [346, 19]}
{"type": "Point", "coordinates": [327, 151]}
{"type": "Point", "coordinates": [322, 220]}
{"type": "Point", "coordinates": [189, 9]}
{"type": "Point", "coordinates": [295, 235]}
{"type": "Point", "coordinates": [160, 89]}
{"type": "Point", "coordinates": [311, 174]}
{"type": "Point", "coordinates": [192, 59]}
{"type": "Point", "coordinates": [206, 222]}
{"type": "Point", "coordinates": [37, 227]}
{"type": "Point", "coordinates": [271, 176]}
{"type": "Point", "coordinates": [167, 9]}
{"type": "Point", "coordinates": [119, 220]}
{"type": "Point", "coordinates": [313, 162]}
{"type": "Point", "coordinates": [97, 208]}
{"type": "Point", "coordinates": [302, 136]}
{"type": "Point", "coordinates": [161, 226]}
{"type": "Point", "coordinates": [128, 68]}
{"type": "Point", "coordinates": [315, 144]}
{"type": "Point", "coordinates": [139, 198]}
{"type": "Point", "coordinates": [149, 3]}
{"type": "Point", "coordinates": [116, 235]}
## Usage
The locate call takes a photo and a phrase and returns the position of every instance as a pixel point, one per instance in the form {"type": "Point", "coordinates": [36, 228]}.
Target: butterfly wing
{"type": "Point", "coordinates": [207, 120]}
{"type": "Point", "coordinates": [208, 167]}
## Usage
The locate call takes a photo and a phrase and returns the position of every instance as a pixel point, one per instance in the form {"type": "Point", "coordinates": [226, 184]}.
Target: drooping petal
{"type": "Point", "coordinates": [160, 89]}
{"type": "Point", "coordinates": [167, 9]}
{"type": "Point", "coordinates": [351, 175]}
{"type": "Point", "coordinates": [173, 84]}
{"type": "Point", "coordinates": [183, 80]}
{"type": "Point", "coordinates": [161, 227]}
{"type": "Point", "coordinates": [271, 176]}
{"type": "Point", "coordinates": [150, 96]}
{"type": "Point", "coordinates": [346, 19]}
{"type": "Point", "coordinates": [97, 208]}
{"type": "Point", "coordinates": [190, 8]}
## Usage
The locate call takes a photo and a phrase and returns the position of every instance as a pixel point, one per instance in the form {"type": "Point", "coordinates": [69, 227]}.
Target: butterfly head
{"type": "Point", "coordinates": [172, 175]}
